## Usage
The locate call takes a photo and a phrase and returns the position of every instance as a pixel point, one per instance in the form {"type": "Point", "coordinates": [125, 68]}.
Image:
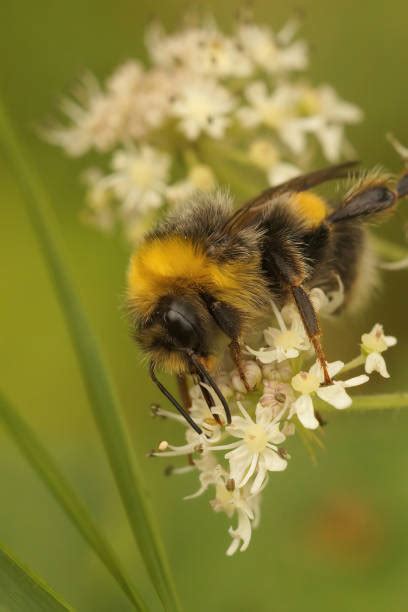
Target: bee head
{"type": "Point", "coordinates": [179, 324]}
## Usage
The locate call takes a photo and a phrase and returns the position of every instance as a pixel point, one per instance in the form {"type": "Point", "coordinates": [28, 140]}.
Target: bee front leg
{"type": "Point", "coordinates": [228, 320]}
{"type": "Point", "coordinates": [235, 351]}
{"type": "Point", "coordinates": [183, 391]}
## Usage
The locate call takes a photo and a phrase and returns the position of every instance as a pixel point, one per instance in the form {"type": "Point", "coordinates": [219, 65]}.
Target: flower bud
{"type": "Point", "coordinates": [253, 376]}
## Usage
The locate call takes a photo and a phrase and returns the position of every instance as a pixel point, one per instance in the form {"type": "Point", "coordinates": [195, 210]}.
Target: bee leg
{"type": "Point", "coordinates": [183, 391]}
{"type": "Point", "coordinates": [368, 200]}
{"type": "Point", "coordinates": [186, 399]}
{"type": "Point", "coordinates": [208, 399]}
{"type": "Point", "coordinates": [235, 351]}
{"type": "Point", "coordinates": [184, 413]}
{"type": "Point", "coordinates": [206, 376]}
{"type": "Point", "coordinates": [402, 186]}
{"type": "Point", "coordinates": [311, 324]}
{"type": "Point", "coordinates": [228, 320]}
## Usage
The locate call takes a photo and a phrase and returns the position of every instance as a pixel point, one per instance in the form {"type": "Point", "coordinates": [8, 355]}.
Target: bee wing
{"type": "Point", "coordinates": [249, 213]}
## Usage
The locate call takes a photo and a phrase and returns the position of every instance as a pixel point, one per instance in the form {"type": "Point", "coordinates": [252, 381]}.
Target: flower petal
{"type": "Point", "coordinates": [376, 363]}
{"type": "Point", "coordinates": [259, 479]}
{"type": "Point", "coordinates": [274, 435]}
{"type": "Point", "coordinates": [273, 461]}
{"type": "Point", "coordinates": [335, 395]}
{"type": "Point", "coordinates": [356, 381]}
{"type": "Point", "coordinates": [264, 355]}
{"type": "Point", "coordinates": [304, 410]}
{"type": "Point", "coordinates": [333, 369]}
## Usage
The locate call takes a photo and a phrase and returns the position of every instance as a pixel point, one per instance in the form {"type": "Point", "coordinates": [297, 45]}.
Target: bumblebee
{"type": "Point", "coordinates": [208, 272]}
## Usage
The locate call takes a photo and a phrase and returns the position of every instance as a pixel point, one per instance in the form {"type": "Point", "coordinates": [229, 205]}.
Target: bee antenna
{"type": "Point", "coordinates": [172, 399]}
{"type": "Point", "coordinates": [211, 382]}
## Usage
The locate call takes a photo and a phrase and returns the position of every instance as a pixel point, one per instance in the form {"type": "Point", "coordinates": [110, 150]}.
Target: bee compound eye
{"type": "Point", "coordinates": [181, 330]}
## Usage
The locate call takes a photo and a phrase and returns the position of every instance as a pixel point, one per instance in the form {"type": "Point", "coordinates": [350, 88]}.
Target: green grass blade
{"type": "Point", "coordinates": [20, 589]}
{"type": "Point", "coordinates": [102, 396]}
{"type": "Point", "coordinates": [56, 483]}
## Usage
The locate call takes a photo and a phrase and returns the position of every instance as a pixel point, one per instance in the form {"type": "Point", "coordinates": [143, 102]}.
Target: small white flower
{"type": "Point", "coordinates": [286, 343]}
{"type": "Point", "coordinates": [277, 111]}
{"type": "Point", "coordinates": [95, 120]}
{"type": "Point", "coordinates": [264, 50]}
{"type": "Point", "coordinates": [256, 452]}
{"type": "Point", "coordinates": [139, 178]}
{"type": "Point", "coordinates": [203, 106]}
{"type": "Point", "coordinates": [171, 50]}
{"type": "Point", "coordinates": [149, 105]}
{"type": "Point", "coordinates": [373, 344]}
{"type": "Point", "coordinates": [328, 114]}
{"type": "Point", "coordinates": [309, 383]}
{"type": "Point", "coordinates": [231, 500]}
{"type": "Point", "coordinates": [219, 56]}
{"type": "Point", "coordinates": [210, 473]}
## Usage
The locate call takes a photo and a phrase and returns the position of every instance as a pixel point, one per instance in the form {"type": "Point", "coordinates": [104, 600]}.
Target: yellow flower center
{"type": "Point", "coordinates": [256, 438]}
{"type": "Point", "coordinates": [310, 103]}
{"type": "Point", "coordinates": [288, 339]}
{"type": "Point", "coordinates": [374, 342]}
{"type": "Point", "coordinates": [305, 383]}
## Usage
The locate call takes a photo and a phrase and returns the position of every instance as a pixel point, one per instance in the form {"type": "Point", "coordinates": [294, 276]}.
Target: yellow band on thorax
{"type": "Point", "coordinates": [311, 207]}
{"type": "Point", "coordinates": [160, 262]}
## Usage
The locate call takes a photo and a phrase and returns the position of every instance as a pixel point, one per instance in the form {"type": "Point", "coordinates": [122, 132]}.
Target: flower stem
{"type": "Point", "coordinates": [363, 403]}
{"type": "Point", "coordinates": [354, 363]}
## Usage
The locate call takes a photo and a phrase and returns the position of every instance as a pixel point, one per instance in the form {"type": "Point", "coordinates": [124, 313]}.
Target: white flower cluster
{"type": "Point", "coordinates": [244, 93]}
{"type": "Point", "coordinates": [235, 460]}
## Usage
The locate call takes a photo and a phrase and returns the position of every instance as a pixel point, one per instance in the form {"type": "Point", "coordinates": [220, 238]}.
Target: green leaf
{"type": "Point", "coordinates": [21, 590]}
{"type": "Point", "coordinates": [56, 483]}
{"type": "Point", "coordinates": [101, 393]}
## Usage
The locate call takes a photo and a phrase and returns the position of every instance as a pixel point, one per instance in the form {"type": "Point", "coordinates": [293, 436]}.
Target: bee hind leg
{"type": "Point", "coordinates": [402, 186]}
{"type": "Point", "coordinates": [311, 325]}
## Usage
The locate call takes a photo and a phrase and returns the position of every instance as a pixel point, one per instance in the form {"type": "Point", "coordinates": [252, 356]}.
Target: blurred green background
{"type": "Point", "coordinates": [333, 535]}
